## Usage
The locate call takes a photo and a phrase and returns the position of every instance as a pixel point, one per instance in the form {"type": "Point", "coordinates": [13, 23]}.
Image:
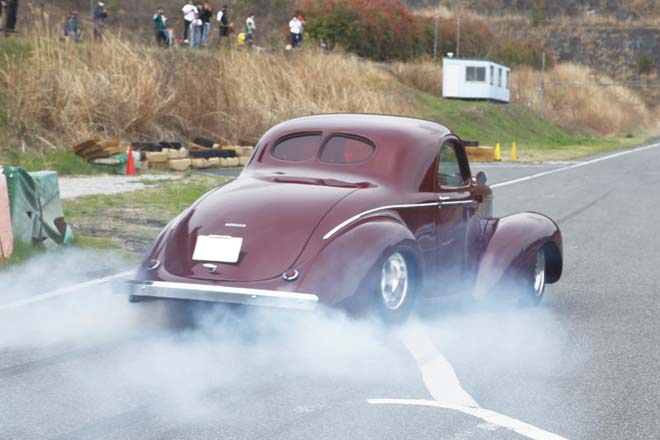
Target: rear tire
{"type": "Point", "coordinates": [395, 288]}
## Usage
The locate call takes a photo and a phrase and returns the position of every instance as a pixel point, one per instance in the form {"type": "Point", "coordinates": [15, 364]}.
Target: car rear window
{"type": "Point", "coordinates": [346, 149]}
{"type": "Point", "coordinates": [297, 148]}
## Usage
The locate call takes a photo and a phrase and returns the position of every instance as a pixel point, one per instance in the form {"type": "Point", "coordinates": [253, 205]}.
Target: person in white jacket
{"type": "Point", "coordinates": [295, 28]}
{"type": "Point", "coordinates": [189, 11]}
{"type": "Point", "coordinates": [250, 27]}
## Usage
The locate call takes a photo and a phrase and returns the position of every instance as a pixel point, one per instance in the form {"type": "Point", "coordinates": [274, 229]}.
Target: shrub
{"type": "Point", "coordinates": [386, 30]}
{"type": "Point", "coordinates": [378, 29]}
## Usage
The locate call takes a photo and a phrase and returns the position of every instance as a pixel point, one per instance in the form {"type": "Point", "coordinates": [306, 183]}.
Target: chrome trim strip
{"type": "Point", "coordinates": [459, 203]}
{"type": "Point", "coordinates": [356, 217]}
{"type": "Point", "coordinates": [223, 294]}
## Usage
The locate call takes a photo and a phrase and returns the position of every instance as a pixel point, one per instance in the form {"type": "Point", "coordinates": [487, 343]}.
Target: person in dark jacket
{"type": "Point", "coordinates": [206, 14]}
{"type": "Point", "coordinates": [224, 26]}
{"type": "Point", "coordinates": [12, 11]}
{"type": "Point", "coordinates": [71, 28]}
{"type": "Point", "coordinates": [99, 16]}
{"type": "Point", "coordinates": [160, 28]}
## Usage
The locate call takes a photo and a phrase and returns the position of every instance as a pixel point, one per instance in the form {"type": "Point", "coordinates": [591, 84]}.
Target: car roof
{"type": "Point", "coordinates": [363, 124]}
{"type": "Point", "coordinates": [405, 146]}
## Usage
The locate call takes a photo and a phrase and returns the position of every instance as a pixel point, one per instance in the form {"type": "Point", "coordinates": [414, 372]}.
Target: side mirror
{"type": "Point", "coordinates": [481, 178]}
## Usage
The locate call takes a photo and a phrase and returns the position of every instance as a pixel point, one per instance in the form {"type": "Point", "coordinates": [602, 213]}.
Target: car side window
{"type": "Point", "coordinates": [449, 168]}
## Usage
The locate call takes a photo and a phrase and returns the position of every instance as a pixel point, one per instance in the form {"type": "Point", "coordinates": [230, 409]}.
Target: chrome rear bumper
{"type": "Point", "coordinates": [222, 294]}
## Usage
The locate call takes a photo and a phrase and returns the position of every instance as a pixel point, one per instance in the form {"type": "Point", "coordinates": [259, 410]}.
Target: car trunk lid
{"type": "Point", "coordinates": [274, 216]}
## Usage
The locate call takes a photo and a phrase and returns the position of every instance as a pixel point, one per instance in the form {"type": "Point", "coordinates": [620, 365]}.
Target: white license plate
{"type": "Point", "coordinates": [218, 248]}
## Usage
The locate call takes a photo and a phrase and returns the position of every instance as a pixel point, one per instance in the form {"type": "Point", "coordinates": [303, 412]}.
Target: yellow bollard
{"type": "Point", "coordinates": [514, 154]}
{"type": "Point", "coordinates": [497, 155]}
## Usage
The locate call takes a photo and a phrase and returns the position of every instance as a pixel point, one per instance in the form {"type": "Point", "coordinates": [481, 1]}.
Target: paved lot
{"type": "Point", "coordinates": [583, 366]}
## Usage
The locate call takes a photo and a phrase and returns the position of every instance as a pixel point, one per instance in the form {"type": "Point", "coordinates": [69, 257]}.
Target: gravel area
{"type": "Point", "coordinates": [71, 187]}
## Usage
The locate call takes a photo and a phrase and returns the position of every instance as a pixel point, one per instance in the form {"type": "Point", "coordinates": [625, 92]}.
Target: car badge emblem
{"type": "Point", "coordinates": [235, 225]}
{"type": "Point", "coordinates": [211, 267]}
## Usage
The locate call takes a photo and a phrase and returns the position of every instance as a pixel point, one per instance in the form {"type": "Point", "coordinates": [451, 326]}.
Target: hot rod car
{"type": "Point", "coordinates": [361, 211]}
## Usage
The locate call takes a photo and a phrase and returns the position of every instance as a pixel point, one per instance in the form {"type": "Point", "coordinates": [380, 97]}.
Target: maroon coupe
{"type": "Point", "coordinates": [362, 211]}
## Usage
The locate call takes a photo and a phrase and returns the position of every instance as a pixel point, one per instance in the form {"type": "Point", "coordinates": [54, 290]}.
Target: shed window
{"type": "Point", "coordinates": [346, 149]}
{"type": "Point", "coordinates": [499, 77]}
{"type": "Point", "coordinates": [473, 73]}
{"type": "Point", "coordinates": [507, 79]}
{"type": "Point", "coordinates": [297, 148]}
{"type": "Point", "coordinates": [492, 75]}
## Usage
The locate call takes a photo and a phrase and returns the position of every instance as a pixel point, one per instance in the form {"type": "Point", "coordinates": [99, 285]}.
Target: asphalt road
{"type": "Point", "coordinates": [584, 365]}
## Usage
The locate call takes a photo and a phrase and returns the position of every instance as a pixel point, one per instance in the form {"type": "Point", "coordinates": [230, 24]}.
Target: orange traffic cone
{"type": "Point", "coordinates": [130, 164]}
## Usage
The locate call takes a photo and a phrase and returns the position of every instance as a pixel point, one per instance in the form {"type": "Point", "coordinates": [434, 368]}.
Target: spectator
{"type": "Point", "coordinates": [294, 29]}
{"type": "Point", "coordinates": [189, 10]}
{"type": "Point", "coordinates": [160, 28]}
{"type": "Point", "coordinates": [224, 25]}
{"type": "Point", "coordinates": [71, 28]}
{"type": "Point", "coordinates": [10, 19]}
{"type": "Point", "coordinates": [250, 27]}
{"type": "Point", "coordinates": [205, 15]}
{"type": "Point", "coordinates": [323, 45]}
{"type": "Point", "coordinates": [99, 16]}
{"type": "Point", "coordinates": [301, 19]}
{"type": "Point", "coordinates": [195, 32]}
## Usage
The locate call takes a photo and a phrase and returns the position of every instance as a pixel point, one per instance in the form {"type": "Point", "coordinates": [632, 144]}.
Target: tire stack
{"type": "Point", "coordinates": [200, 154]}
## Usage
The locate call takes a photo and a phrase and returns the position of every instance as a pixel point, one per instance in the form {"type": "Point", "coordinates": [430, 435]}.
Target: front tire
{"type": "Point", "coordinates": [536, 281]}
{"type": "Point", "coordinates": [395, 288]}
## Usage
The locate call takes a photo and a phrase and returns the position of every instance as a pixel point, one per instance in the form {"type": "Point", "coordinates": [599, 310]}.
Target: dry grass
{"type": "Point", "coordinates": [67, 92]}
{"type": "Point", "coordinates": [424, 75]}
{"type": "Point", "coordinates": [574, 102]}
{"type": "Point", "coordinates": [573, 105]}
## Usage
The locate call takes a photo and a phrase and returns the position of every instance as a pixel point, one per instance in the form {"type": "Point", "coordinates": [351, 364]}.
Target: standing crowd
{"type": "Point", "coordinates": [197, 24]}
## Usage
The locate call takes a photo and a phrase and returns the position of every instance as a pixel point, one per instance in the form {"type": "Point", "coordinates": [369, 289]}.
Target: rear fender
{"type": "Point", "coordinates": [339, 271]}
{"type": "Point", "coordinates": [512, 242]}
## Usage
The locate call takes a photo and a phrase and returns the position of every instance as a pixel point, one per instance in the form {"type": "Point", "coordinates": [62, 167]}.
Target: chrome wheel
{"type": "Point", "coordinates": [394, 281]}
{"type": "Point", "coordinates": [539, 274]}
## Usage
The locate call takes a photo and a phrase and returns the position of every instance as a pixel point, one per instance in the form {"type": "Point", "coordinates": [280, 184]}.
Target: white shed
{"type": "Point", "coordinates": [465, 78]}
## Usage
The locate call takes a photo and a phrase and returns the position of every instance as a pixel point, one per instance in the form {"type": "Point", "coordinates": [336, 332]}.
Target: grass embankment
{"type": "Point", "coordinates": [58, 94]}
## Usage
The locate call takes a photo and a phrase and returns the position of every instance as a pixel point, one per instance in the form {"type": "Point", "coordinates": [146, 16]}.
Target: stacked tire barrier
{"type": "Point", "coordinates": [195, 156]}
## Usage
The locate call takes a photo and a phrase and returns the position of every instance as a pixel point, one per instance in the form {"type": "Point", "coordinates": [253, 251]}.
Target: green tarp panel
{"type": "Point", "coordinates": [36, 208]}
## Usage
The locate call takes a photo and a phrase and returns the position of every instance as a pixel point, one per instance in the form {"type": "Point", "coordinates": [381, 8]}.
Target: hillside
{"type": "Point", "coordinates": [64, 93]}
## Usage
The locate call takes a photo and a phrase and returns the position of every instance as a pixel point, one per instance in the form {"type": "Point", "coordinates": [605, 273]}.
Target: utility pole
{"type": "Point", "coordinates": [542, 83]}
{"type": "Point", "coordinates": [91, 8]}
{"type": "Point", "coordinates": [435, 37]}
{"type": "Point", "coordinates": [458, 36]}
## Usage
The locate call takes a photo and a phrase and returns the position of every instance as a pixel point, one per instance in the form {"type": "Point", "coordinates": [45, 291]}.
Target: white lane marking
{"type": "Point", "coordinates": [442, 383]}
{"type": "Point", "coordinates": [491, 417]}
{"type": "Point", "coordinates": [575, 165]}
{"type": "Point", "coordinates": [63, 291]}
{"type": "Point", "coordinates": [437, 373]}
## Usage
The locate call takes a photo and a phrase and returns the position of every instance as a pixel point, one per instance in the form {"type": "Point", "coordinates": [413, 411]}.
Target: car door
{"type": "Point", "coordinates": [457, 204]}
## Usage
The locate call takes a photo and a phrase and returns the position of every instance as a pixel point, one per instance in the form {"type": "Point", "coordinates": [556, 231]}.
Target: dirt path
{"type": "Point", "coordinates": [71, 187]}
